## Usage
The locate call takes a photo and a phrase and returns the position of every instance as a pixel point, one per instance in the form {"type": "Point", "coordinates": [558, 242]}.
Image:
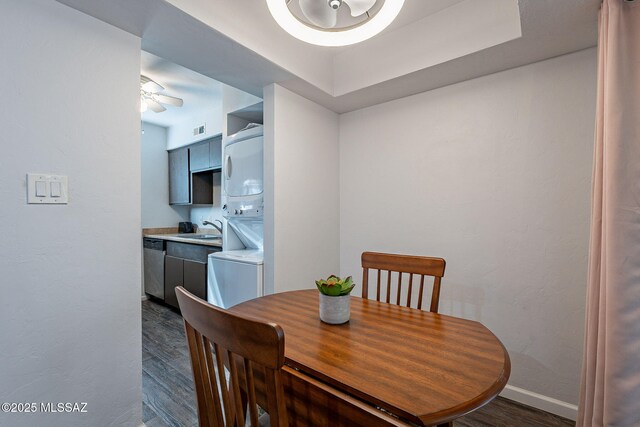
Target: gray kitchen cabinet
{"type": "Point", "coordinates": [173, 276]}
{"type": "Point", "coordinates": [206, 155]}
{"type": "Point", "coordinates": [195, 278]}
{"type": "Point", "coordinates": [200, 156]}
{"type": "Point", "coordinates": [186, 265]}
{"type": "Point", "coordinates": [191, 171]}
{"type": "Point", "coordinates": [179, 179]}
{"type": "Point", "coordinates": [215, 152]}
{"type": "Point", "coordinates": [202, 188]}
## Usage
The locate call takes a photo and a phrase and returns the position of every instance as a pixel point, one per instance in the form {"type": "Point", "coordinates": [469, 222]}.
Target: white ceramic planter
{"type": "Point", "coordinates": [335, 310]}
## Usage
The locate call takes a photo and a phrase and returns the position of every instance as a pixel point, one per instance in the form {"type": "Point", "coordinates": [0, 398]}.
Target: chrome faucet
{"type": "Point", "coordinates": [219, 228]}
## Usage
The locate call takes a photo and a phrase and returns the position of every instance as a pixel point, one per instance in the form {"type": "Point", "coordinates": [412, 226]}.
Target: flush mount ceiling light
{"type": "Point", "coordinates": [151, 98]}
{"type": "Point", "coordinates": [334, 22]}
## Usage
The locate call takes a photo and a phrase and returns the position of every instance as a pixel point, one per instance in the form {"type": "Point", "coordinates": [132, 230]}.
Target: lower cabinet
{"type": "Point", "coordinates": [192, 275]}
{"type": "Point", "coordinates": [185, 265]}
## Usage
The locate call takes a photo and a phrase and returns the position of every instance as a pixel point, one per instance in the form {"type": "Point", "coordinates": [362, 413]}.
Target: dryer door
{"type": "Point", "coordinates": [243, 168]}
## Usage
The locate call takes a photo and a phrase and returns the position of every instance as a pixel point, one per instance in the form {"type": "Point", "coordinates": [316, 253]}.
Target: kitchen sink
{"type": "Point", "coordinates": [200, 236]}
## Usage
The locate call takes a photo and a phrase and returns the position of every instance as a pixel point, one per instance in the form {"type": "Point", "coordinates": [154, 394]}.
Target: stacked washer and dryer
{"type": "Point", "coordinates": [236, 274]}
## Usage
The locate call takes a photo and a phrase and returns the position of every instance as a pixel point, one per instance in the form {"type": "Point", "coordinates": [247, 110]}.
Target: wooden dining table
{"type": "Point", "coordinates": [414, 366]}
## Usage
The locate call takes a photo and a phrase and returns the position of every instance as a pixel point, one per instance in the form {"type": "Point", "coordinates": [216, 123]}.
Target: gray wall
{"type": "Point", "coordinates": [69, 275]}
{"type": "Point", "coordinates": [493, 175]}
{"type": "Point", "coordinates": [156, 211]}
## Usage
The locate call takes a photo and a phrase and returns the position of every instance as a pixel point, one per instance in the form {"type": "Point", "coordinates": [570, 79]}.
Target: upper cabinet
{"type": "Point", "coordinates": [206, 155]}
{"type": "Point", "coordinates": [194, 173]}
{"type": "Point", "coordinates": [179, 185]}
{"type": "Point", "coordinates": [215, 152]}
{"type": "Point", "coordinates": [199, 154]}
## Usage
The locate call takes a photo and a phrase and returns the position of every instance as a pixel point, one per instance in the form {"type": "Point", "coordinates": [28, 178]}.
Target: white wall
{"type": "Point", "coordinates": [181, 134]}
{"type": "Point", "coordinates": [199, 214]}
{"type": "Point", "coordinates": [301, 191]}
{"type": "Point", "coordinates": [493, 175]}
{"type": "Point", "coordinates": [156, 211]}
{"type": "Point", "coordinates": [70, 275]}
{"type": "Point", "coordinates": [232, 100]}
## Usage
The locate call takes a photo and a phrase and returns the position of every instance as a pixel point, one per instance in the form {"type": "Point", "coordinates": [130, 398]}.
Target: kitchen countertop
{"type": "Point", "coordinates": [175, 237]}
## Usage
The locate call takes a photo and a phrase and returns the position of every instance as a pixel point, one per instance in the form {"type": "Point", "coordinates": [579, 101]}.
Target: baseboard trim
{"type": "Point", "coordinates": [539, 401]}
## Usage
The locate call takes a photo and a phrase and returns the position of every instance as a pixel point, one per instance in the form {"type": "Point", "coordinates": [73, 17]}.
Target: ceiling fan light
{"type": "Point", "coordinates": [381, 20]}
{"type": "Point", "coordinates": [166, 99]}
{"type": "Point", "coordinates": [155, 106]}
{"type": "Point", "coordinates": [148, 85]}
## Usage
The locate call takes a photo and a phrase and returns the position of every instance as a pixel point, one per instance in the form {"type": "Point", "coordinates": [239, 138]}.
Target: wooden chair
{"type": "Point", "coordinates": [253, 351]}
{"type": "Point", "coordinates": [408, 264]}
{"type": "Point", "coordinates": [242, 344]}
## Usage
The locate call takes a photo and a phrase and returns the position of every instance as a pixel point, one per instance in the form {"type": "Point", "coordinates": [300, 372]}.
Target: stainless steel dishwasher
{"type": "Point", "coordinates": [154, 252]}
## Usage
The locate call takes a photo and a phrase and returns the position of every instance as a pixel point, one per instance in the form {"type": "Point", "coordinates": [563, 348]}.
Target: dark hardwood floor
{"type": "Point", "coordinates": [169, 400]}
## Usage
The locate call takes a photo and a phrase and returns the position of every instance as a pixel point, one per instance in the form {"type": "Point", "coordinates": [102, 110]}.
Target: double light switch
{"type": "Point", "coordinates": [47, 189]}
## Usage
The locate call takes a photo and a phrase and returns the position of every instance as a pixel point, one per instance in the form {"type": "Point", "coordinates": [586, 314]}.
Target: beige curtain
{"type": "Point", "coordinates": [610, 390]}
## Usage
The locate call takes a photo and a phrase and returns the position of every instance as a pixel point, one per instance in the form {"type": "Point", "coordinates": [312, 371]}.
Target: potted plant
{"type": "Point", "coordinates": [334, 299]}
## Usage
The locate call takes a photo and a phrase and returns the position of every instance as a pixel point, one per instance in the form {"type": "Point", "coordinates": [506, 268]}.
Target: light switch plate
{"type": "Point", "coordinates": [56, 189]}
{"type": "Point", "coordinates": [43, 189]}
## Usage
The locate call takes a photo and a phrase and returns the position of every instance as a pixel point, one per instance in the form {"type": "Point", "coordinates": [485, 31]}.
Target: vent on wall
{"type": "Point", "coordinates": [199, 130]}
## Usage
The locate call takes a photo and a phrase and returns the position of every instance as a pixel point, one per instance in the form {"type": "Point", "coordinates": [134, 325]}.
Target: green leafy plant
{"type": "Point", "coordinates": [335, 286]}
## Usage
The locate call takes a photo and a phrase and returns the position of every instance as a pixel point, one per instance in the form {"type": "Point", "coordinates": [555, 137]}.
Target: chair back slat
{"type": "Point", "coordinates": [222, 379]}
{"type": "Point", "coordinates": [207, 416]}
{"type": "Point", "coordinates": [410, 290]}
{"type": "Point", "coordinates": [412, 265]}
{"type": "Point", "coordinates": [436, 295]}
{"type": "Point", "coordinates": [209, 380]}
{"type": "Point", "coordinates": [240, 345]}
{"type": "Point", "coordinates": [253, 406]}
{"type": "Point", "coordinates": [421, 292]}
{"type": "Point", "coordinates": [234, 381]}
{"type": "Point", "coordinates": [365, 281]}
{"type": "Point", "coordinates": [212, 380]}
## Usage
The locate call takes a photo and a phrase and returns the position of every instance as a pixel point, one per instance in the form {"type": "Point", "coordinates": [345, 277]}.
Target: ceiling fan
{"type": "Point", "coordinates": [151, 98]}
{"type": "Point", "coordinates": [334, 22]}
{"type": "Point", "coordinates": [324, 13]}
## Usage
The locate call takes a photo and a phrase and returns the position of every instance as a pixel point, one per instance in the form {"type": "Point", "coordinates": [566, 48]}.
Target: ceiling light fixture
{"type": "Point", "coordinates": [315, 21]}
